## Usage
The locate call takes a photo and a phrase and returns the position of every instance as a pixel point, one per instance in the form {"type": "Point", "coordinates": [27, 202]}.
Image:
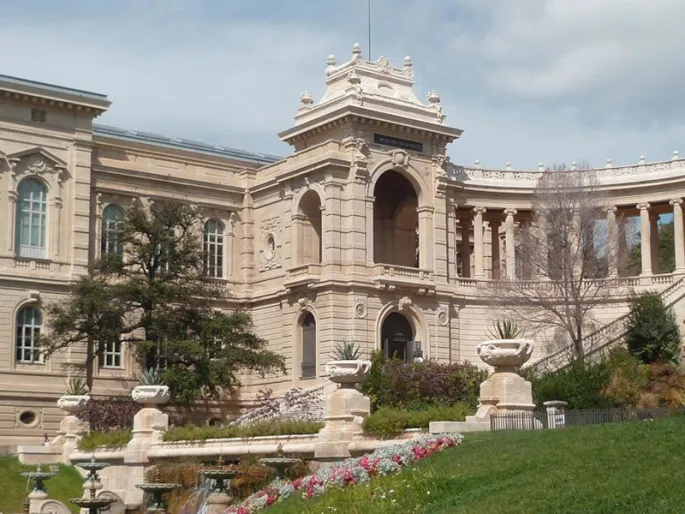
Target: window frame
{"type": "Point", "coordinates": [20, 336]}
{"type": "Point", "coordinates": [214, 247]}
{"type": "Point", "coordinates": [111, 228]}
{"type": "Point", "coordinates": [24, 196]}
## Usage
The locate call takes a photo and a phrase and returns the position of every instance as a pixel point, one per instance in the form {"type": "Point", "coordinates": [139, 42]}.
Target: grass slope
{"type": "Point", "coordinates": [632, 468]}
{"type": "Point", "coordinates": [67, 484]}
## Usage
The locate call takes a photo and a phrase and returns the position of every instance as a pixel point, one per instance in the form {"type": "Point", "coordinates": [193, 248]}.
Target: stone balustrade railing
{"type": "Point", "coordinates": [528, 178]}
{"type": "Point", "coordinates": [403, 272]}
{"type": "Point", "coordinates": [612, 282]}
{"type": "Point", "coordinates": [607, 336]}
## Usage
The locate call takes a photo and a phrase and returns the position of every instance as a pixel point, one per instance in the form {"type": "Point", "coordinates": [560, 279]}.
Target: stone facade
{"type": "Point", "coordinates": [365, 232]}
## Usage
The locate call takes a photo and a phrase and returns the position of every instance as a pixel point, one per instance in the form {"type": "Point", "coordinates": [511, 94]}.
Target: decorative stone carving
{"type": "Point", "coordinates": [37, 162]}
{"type": "Point", "coordinates": [505, 354]}
{"type": "Point", "coordinates": [443, 316]}
{"type": "Point", "coordinates": [360, 308]}
{"type": "Point", "coordinates": [73, 404]}
{"type": "Point", "coordinates": [400, 158]}
{"type": "Point", "coordinates": [269, 247]}
{"type": "Point", "coordinates": [271, 259]}
{"type": "Point", "coordinates": [151, 395]}
{"type": "Point", "coordinates": [348, 372]}
{"type": "Point", "coordinates": [404, 303]}
{"type": "Point", "coordinates": [53, 507]}
{"type": "Point", "coordinates": [303, 303]}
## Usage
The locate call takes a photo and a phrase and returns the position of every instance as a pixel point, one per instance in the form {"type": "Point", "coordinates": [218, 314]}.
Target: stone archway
{"type": "Point", "coordinates": [397, 336]}
{"type": "Point", "coordinates": [395, 220]}
{"type": "Point", "coordinates": [308, 222]}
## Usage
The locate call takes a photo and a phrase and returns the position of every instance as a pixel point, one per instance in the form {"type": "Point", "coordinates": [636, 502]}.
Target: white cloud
{"type": "Point", "coordinates": [528, 80]}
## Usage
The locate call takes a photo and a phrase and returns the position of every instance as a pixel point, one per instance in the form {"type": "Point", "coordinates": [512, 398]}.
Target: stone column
{"type": "Point", "coordinates": [494, 238]}
{"type": "Point", "coordinates": [465, 249]}
{"type": "Point", "coordinates": [510, 243]}
{"type": "Point", "coordinates": [645, 240]}
{"type": "Point", "coordinates": [426, 237]}
{"type": "Point", "coordinates": [654, 241]}
{"type": "Point", "coordinates": [370, 236]}
{"type": "Point", "coordinates": [678, 235]}
{"type": "Point", "coordinates": [11, 216]}
{"type": "Point", "coordinates": [542, 270]}
{"type": "Point", "coordinates": [451, 241]}
{"type": "Point", "coordinates": [478, 241]}
{"type": "Point", "coordinates": [296, 244]}
{"type": "Point", "coordinates": [612, 239]}
{"type": "Point", "coordinates": [56, 227]}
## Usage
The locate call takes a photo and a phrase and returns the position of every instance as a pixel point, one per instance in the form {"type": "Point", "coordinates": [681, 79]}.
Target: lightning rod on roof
{"type": "Point", "coordinates": [369, 17]}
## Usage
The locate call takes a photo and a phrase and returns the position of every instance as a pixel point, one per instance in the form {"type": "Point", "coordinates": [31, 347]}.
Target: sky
{"type": "Point", "coordinates": [528, 81]}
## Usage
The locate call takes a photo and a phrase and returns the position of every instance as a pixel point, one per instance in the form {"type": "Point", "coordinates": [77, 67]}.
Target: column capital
{"type": "Point", "coordinates": [479, 210]}
{"type": "Point", "coordinates": [425, 209]}
{"type": "Point", "coordinates": [298, 216]}
{"type": "Point", "coordinates": [643, 206]}
{"type": "Point", "coordinates": [676, 201]}
{"type": "Point", "coordinates": [611, 208]}
{"type": "Point", "coordinates": [510, 212]}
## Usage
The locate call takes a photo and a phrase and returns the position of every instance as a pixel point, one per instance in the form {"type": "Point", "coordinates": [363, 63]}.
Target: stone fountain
{"type": "Point", "coordinates": [38, 477]}
{"type": "Point", "coordinates": [155, 490]}
{"type": "Point", "coordinates": [91, 486]}
{"type": "Point", "coordinates": [37, 501]}
{"type": "Point", "coordinates": [220, 494]}
{"type": "Point", "coordinates": [280, 463]}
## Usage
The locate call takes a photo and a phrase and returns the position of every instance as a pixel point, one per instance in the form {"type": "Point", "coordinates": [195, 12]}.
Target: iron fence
{"type": "Point", "coordinates": [542, 420]}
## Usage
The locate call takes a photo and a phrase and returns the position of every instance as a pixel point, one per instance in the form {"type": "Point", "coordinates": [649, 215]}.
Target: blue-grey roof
{"type": "Point", "coordinates": [52, 87]}
{"type": "Point", "coordinates": [183, 144]}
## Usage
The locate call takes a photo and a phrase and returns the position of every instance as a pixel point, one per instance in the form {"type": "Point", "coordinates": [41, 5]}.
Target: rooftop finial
{"type": "Point", "coordinates": [433, 97]}
{"type": "Point", "coordinates": [508, 165]}
{"type": "Point", "coordinates": [306, 100]}
{"type": "Point", "coordinates": [331, 60]}
{"type": "Point", "coordinates": [541, 166]}
{"type": "Point", "coordinates": [574, 166]}
{"type": "Point", "coordinates": [676, 155]}
{"type": "Point", "coordinates": [476, 163]}
{"type": "Point", "coordinates": [407, 62]}
{"type": "Point", "coordinates": [609, 164]}
{"type": "Point", "coordinates": [642, 159]}
{"type": "Point", "coordinates": [356, 49]}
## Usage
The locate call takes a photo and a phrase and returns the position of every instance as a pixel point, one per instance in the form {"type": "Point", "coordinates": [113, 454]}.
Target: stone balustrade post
{"type": "Point", "coordinates": [555, 413]}
{"type": "Point", "coordinates": [478, 241]}
{"type": "Point", "coordinates": [678, 235]}
{"type": "Point", "coordinates": [510, 243]}
{"type": "Point", "coordinates": [645, 240]}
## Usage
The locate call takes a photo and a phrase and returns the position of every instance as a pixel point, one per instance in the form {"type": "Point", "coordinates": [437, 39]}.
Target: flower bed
{"type": "Point", "coordinates": [383, 461]}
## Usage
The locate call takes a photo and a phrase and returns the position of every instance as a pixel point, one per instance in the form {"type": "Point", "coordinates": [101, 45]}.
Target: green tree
{"type": "Point", "coordinates": [652, 333]}
{"type": "Point", "coordinates": [157, 299]}
{"type": "Point", "coordinates": [666, 252]}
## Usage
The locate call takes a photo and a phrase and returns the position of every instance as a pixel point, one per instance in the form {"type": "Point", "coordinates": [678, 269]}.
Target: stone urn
{"type": "Point", "coordinates": [348, 373]}
{"type": "Point", "coordinates": [505, 390]}
{"type": "Point", "coordinates": [505, 354]}
{"type": "Point", "coordinates": [72, 404]}
{"type": "Point", "coordinates": [151, 395]}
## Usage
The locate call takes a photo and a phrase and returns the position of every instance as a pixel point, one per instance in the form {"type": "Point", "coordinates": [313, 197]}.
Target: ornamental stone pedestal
{"type": "Point", "coordinates": [505, 391]}
{"type": "Point", "coordinates": [347, 409]}
{"type": "Point", "coordinates": [71, 428]}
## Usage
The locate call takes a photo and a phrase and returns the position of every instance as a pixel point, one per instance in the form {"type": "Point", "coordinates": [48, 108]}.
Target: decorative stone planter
{"type": "Point", "coordinates": [151, 395]}
{"type": "Point", "coordinates": [73, 404]}
{"type": "Point", "coordinates": [505, 390]}
{"type": "Point", "coordinates": [346, 410]}
{"type": "Point", "coordinates": [348, 373]}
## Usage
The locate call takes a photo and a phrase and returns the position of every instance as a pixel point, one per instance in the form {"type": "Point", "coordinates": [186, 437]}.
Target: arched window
{"type": "Point", "coordinates": [111, 241]}
{"type": "Point", "coordinates": [31, 219]}
{"type": "Point", "coordinates": [213, 239]}
{"type": "Point", "coordinates": [29, 321]}
{"type": "Point", "coordinates": [308, 346]}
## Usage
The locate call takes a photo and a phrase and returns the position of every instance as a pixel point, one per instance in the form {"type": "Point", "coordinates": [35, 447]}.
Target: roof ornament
{"type": "Point", "coordinates": [574, 166]}
{"type": "Point", "coordinates": [609, 164]}
{"type": "Point", "coordinates": [642, 159]}
{"type": "Point", "coordinates": [676, 155]}
{"type": "Point", "coordinates": [356, 50]}
{"type": "Point", "coordinates": [541, 166]}
{"type": "Point", "coordinates": [476, 163]}
{"type": "Point", "coordinates": [330, 65]}
{"type": "Point", "coordinates": [306, 100]}
{"type": "Point", "coordinates": [507, 166]}
{"type": "Point", "coordinates": [433, 98]}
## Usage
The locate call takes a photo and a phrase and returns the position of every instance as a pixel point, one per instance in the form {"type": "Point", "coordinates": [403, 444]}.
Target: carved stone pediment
{"type": "Point", "coordinates": [37, 161]}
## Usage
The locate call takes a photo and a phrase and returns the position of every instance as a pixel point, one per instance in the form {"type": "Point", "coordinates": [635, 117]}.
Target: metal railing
{"type": "Point", "coordinates": [543, 420]}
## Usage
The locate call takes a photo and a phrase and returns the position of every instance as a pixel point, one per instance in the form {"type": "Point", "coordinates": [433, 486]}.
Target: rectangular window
{"type": "Point", "coordinates": [38, 116]}
{"type": "Point", "coordinates": [110, 355]}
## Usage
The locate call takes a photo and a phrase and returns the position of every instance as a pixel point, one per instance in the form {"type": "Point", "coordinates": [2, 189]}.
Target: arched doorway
{"type": "Point", "coordinates": [395, 220]}
{"type": "Point", "coordinates": [397, 337]}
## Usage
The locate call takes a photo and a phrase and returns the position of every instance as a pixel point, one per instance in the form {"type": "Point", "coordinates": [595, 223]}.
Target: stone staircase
{"type": "Point", "coordinates": [610, 335]}
{"type": "Point", "coordinates": [301, 404]}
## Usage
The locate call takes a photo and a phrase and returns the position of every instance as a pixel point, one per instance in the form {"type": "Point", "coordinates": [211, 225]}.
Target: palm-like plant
{"type": "Point", "coordinates": [150, 377]}
{"type": "Point", "coordinates": [347, 351]}
{"type": "Point", "coordinates": [76, 386]}
{"type": "Point", "coordinates": [505, 329]}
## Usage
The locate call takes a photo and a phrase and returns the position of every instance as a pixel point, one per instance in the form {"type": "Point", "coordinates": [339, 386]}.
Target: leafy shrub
{"type": "Point", "coordinates": [112, 439]}
{"type": "Point", "coordinates": [653, 333]}
{"type": "Point", "coordinates": [104, 414]}
{"type": "Point", "coordinates": [387, 422]}
{"type": "Point", "coordinates": [628, 379]}
{"type": "Point", "coordinates": [261, 428]}
{"type": "Point", "coordinates": [393, 383]}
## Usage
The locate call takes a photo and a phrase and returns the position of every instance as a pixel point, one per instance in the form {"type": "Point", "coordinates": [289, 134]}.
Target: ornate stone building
{"type": "Point", "coordinates": [365, 232]}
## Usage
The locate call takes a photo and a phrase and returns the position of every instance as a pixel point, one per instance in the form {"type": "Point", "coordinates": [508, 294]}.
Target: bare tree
{"type": "Point", "coordinates": [563, 253]}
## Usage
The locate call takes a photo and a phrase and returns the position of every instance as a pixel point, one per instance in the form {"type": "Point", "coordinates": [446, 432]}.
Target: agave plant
{"type": "Point", "coordinates": [151, 376]}
{"type": "Point", "coordinates": [76, 386]}
{"type": "Point", "coordinates": [505, 329]}
{"type": "Point", "coordinates": [347, 351]}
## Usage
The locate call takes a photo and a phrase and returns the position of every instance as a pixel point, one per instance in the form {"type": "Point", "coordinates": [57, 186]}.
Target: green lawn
{"type": "Point", "coordinates": [67, 484]}
{"type": "Point", "coordinates": [632, 468]}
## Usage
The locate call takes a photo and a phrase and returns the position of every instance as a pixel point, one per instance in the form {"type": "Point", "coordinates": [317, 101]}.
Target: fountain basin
{"type": "Point", "coordinates": [280, 464]}
{"type": "Point", "coordinates": [73, 403]}
{"type": "Point", "coordinates": [151, 395]}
